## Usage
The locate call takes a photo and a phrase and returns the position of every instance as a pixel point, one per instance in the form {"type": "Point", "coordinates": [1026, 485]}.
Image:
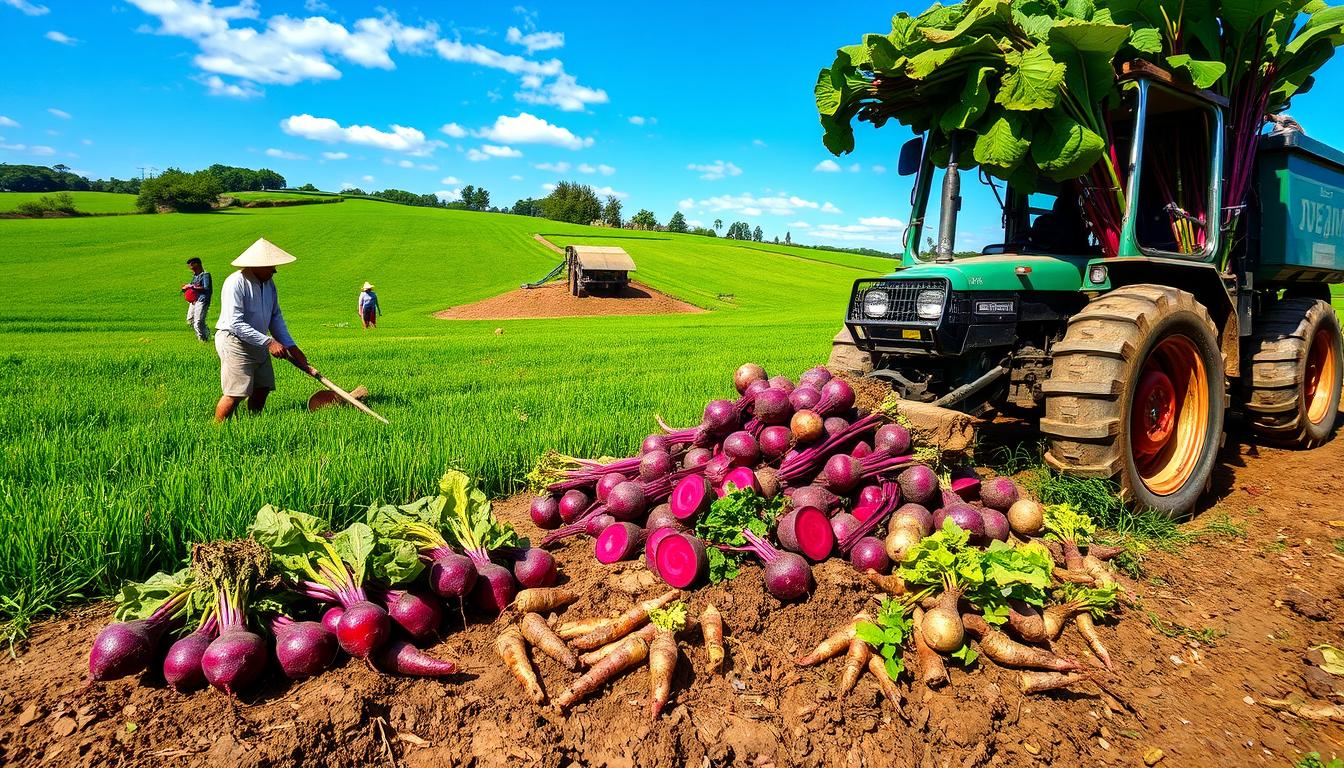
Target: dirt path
{"type": "Point", "coordinates": [555, 300]}
{"type": "Point", "coordinates": [1268, 596]}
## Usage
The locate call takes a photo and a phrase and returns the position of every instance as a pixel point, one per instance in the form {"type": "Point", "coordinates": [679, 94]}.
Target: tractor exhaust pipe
{"type": "Point", "coordinates": [951, 203]}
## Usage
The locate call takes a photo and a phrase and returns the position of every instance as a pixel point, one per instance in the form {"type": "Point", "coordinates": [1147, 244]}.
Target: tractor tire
{"type": "Point", "coordinates": [1137, 393]}
{"type": "Point", "coordinates": [1293, 382]}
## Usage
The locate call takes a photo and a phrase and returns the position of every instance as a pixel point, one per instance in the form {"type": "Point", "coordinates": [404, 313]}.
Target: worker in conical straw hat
{"type": "Point", "coordinates": [251, 330]}
{"type": "Point", "coordinates": [367, 306]}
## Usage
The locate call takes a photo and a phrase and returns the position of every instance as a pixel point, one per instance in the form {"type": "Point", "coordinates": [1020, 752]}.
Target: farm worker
{"type": "Point", "coordinates": [251, 330]}
{"type": "Point", "coordinates": [368, 306]}
{"type": "Point", "coordinates": [198, 293]}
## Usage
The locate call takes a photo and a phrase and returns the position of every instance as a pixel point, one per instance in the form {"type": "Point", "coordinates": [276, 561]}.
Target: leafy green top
{"type": "Point", "coordinates": [467, 517]}
{"type": "Point", "coordinates": [1065, 522]}
{"type": "Point", "coordinates": [672, 618]}
{"type": "Point", "coordinates": [1095, 600]}
{"type": "Point", "coordinates": [301, 550]}
{"type": "Point", "coordinates": [139, 600]}
{"type": "Point", "coordinates": [727, 517]}
{"type": "Point", "coordinates": [889, 634]}
{"type": "Point", "coordinates": [1011, 573]}
{"type": "Point", "coordinates": [945, 559]}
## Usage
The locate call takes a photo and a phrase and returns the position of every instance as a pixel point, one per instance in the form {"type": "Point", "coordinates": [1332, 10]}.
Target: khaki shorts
{"type": "Point", "coordinates": [243, 368]}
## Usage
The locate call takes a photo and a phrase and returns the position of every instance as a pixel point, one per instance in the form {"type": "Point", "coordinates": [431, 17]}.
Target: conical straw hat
{"type": "Point", "coordinates": [367, 286]}
{"type": "Point", "coordinates": [263, 253]}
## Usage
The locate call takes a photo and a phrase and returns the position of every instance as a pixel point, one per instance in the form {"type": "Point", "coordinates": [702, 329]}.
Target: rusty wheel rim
{"type": "Point", "coordinates": [1318, 380]}
{"type": "Point", "coordinates": [1169, 415]}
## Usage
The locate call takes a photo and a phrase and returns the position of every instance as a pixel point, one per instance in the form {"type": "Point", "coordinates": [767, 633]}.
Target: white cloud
{"type": "Point", "coordinates": [366, 178]}
{"type": "Point", "coordinates": [636, 120]}
{"type": "Point", "coordinates": [560, 167]}
{"type": "Point", "coordinates": [86, 142]}
{"type": "Point", "coordinates": [449, 195]}
{"type": "Point", "coordinates": [564, 93]}
{"type": "Point", "coordinates": [409, 164]}
{"type": "Point", "coordinates": [61, 37]}
{"type": "Point", "coordinates": [750, 205]}
{"type": "Point", "coordinates": [881, 222]}
{"type": "Point", "coordinates": [799, 225]}
{"type": "Point", "coordinates": [855, 168]}
{"type": "Point", "coordinates": [31, 9]}
{"type": "Point", "coordinates": [827, 166]}
{"type": "Point", "coordinates": [336, 155]}
{"type": "Point", "coordinates": [61, 113]}
{"type": "Point", "coordinates": [454, 130]}
{"type": "Point", "coordinates": [488, 151]}
{"type": "Point", "coordinates": [283, 155]}
{"type": "Point", "coordinates": [217, 86]}
{"type": "Point", "coordinates": [535, 41]}
{"type": "Point", "coordinates": [285, 50]}
{"type": "Point", "coordinates": [526, 128]}
{"type": "Point", "coordinates": [829, 208]}
{"type": "Point", "coordinates": [472, 53]}
{"type": "Point", "coordinates": [36, 149]}
{"type": "Point", "coordinates": [548, 187]}
{"type": "Point", "coordinates": [586, 168]}
{"type": "Point", "coordinates": [515, 177]}
{"type": "Point", "coordinates": [449, 181]}
{"type": "Point", "coordinates": [6, 122]}
{"type": "Point", "coordinates": [715, 170]}
{"type": "Point", "coordinates": [399, 139]}
{"type": "Point", "coordinates": [605, 170]}
{"type": "Point", "coordinates": [757, 143]}
{"type": "Point", "coordinates": [605, 191]}
{"type": "Point", "coordinates": [879, 169]}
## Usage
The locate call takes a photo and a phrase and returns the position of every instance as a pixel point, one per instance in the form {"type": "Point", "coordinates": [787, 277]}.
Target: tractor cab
{"type": "Point", "coordinates": [972, 329]}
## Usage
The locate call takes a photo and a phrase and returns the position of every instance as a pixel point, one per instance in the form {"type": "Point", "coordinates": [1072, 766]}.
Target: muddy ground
{"type": "Point", "coordinates": [1256, 603]}
{"type": "Point", "coordinates": [555, 300]}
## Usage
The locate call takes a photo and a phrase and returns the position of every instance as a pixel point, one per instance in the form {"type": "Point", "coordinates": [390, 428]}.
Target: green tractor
{"type": "Point", "coordinates": [1131, 360]}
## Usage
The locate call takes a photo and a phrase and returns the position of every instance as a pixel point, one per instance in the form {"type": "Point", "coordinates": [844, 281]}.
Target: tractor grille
{"type": "Point", "coordinates": [901, 300]}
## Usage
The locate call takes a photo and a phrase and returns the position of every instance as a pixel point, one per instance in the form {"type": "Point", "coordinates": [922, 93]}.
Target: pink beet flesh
{"type": "Point", "coordinates": [681, 560]}
{"type": "Point", "coordinates": [690, 497]}
{"type": "Point", "coordinates": [813, 531]}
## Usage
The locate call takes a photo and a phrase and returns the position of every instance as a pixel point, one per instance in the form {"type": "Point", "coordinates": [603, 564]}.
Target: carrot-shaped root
{"type": "Point", "coordinates": [544, 639]}
{"type": "Point", "coordinates": [513, 651]}
{"type": "Point", "coordinates": [1098, 570]}
{"type": "Point", "coordinates": [624, 624]}
{"type": "Point", "coordinates": [1010, 653]}
{"type": "Point", "coordinates": [1026, 622]}
{"type": "Point", "coordinates": [1088, 629]}
{"type": "Point", "coordinates": [932, 670]}
{"type": "Point", "coordinates": [662, 663]}
{"type": "Point", "coordinates": [568, 630]}
{"type": "Point", "coordinates": [889, 689]}
{"type": "Point", "coordinates": [633, 650]}
{"type": "Point", "coordinates": [1056, 616]}
{"type": "Point", "coordinates": [835, 644]}
{"type": "Point", "coordinates": [856, 660]}
{"type": "Point", "coordinates": [1103, 552]}
{"type": "Point", "coordinates": [711, 626]}
{"type": "Point", "coordinates": [1073, 577]}
{"type": "Point", "coordinates": [543, 599]}
{"type": "Point", "coordinates": [1039, 682]}
{"type": "Point", "coordinates": [891, 584]}
{"type": "Point", "coordinates": [592, 658]}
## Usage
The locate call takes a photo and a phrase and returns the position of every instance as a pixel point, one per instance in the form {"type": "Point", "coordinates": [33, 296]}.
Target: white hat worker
{"type": "Point", "coordinates": [367, 286]}
{"type": "Point", "coordinates": [263, 253]}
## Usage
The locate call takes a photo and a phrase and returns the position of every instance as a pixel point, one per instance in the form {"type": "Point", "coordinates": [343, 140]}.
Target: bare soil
{"type": "Point", "coordinates": [1266, 597]}
{"type": "Point", "coordinates": [555, 300]}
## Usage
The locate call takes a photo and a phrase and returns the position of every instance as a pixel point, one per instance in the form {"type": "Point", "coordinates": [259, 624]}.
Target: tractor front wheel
{"type": "Point", "coordinates": [1137, 393]}
{"type": "Point", "coordinates": [1294, 370]}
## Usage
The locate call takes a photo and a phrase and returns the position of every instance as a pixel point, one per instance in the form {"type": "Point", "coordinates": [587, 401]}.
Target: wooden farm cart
{"type": "Point", "coordinates": [595, 269]}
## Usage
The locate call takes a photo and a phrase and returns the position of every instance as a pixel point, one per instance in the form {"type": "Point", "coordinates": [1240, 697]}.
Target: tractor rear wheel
{"type": "Point", "coordinates": [1137, 393]}
{"type": "Point", "coordinates": [1292, 390]}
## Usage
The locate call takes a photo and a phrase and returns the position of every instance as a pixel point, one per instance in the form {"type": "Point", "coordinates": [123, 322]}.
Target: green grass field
{"type": "Point", "coordinates": [86, 202]}
{"type": "Point", "coordinates": [110, 465]}
{"type": "Point", "coordinates": [311, 196]}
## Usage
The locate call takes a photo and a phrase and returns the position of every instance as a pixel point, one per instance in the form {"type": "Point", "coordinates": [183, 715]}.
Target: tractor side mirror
{"type": "Point", "coordinates": [912, 153]}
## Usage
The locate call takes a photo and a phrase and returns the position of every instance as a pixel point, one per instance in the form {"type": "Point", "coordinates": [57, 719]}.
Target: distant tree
{"type": "Point", "coordinates": [718, 224]}
{"type": "Point", "coordinates": [677, 223]}
{"type": "Point", "coordinates": [788, 238]}
{"type": "Point", "coordinates": [61, 202]}
{"type": "Point", "coordinates": [234, 179]}
{"type": "Point", "coordinates": [39, 178]}
{"type": "Point", "coordinates": [309, 188]}
{"type": "Point", "coordinates": [756, 234]}
{"type": "Point", "coordinates": [467, 194]}
{"type": "Point", "coordinates": [739, 230]}
{"type": "Point", "coordinates": [572, 202]}
{"type": "Point", "coordinates": [481, 201]}
{"type": "Point", "coordinates": [644, 220]}
{"type": "Point", "coordinates": [527, 207]}
{"type": "Point", "coordinates": [60, 167]}
{"type": "Point", "coordinates": [611, 212]}
{"type": "Point", "coordinates": [179, 191]}
{"type": "Point", "coordinates": [776, 239]}
{"type": "Point", "coordinates": [704, 232]}
{"type": "Point", "coordinates": [354, 191]}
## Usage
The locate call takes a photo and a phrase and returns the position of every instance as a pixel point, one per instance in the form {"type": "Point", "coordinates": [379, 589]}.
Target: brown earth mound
{"type": "Point", "coordinates": [1179, 696]}
{"type": "Point", "coordinates": [555, 300]}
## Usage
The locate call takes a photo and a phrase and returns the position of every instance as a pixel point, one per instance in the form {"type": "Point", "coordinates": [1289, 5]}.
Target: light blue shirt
{"type": "Point", "coordinates": [251, 311]}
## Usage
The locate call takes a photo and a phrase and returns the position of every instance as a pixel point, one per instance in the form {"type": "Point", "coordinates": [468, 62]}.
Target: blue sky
{"type": "Point", "coordinates": [702, 107]}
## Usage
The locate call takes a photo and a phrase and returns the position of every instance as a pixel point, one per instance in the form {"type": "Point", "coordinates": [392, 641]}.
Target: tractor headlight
{"type": "Point", "coordinates": [876, 302]}
{"type": "Point", "coordinates": [929, 304]}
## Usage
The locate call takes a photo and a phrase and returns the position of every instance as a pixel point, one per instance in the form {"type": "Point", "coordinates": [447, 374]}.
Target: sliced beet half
{"type": "Point", "coordinates": [617, 542]}
{"type": "Point", "coordinates": [691, 496]}
{"type": "Point", "coordinates": [741, 478]}
{"type": "Point", "coordinates": [681, 560]}
{"type": "Point", "coordinates": [651, 543]}
{"type": "Point", "coordinates": [812, 530]}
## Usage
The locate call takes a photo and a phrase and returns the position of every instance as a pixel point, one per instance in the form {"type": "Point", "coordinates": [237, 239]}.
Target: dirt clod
{"type": "Point", "coordinates": [1307, 604]}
